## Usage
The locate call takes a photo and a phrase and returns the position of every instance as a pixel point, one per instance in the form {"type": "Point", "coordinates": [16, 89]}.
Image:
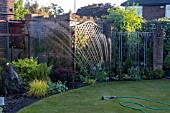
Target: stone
{"type": "Point", "coordinates": [10, 81]}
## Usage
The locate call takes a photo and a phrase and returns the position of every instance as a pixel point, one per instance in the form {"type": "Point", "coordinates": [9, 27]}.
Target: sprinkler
{"type": "Point", "coordinates": [108, 97]}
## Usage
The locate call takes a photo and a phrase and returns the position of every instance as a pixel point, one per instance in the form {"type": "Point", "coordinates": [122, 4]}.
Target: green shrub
{"type": "Point", "coordinates": [38, 88]}
{"type": "Point", "coordinates": [1, 69]}
{"type": "Point", "coordinates": [24, 68]}
{"type": "Point", "coordinates": [167, 61]}
{"type": "Point", "coordinates": [87, 80]}
{"type": "Point", "coordinates": [147, 74]}
{"type": "Point", "coordinates": [29, 69]}
{"type": "Point", "coordinates": [41, 72]}
{"type": "Point", "coordinates": [54, 88]}
{"type": "Point", "coordinates": [159, 73]}
{"type": "Point", "coordinates": [102, 76]}
{"type": "Point", "coordinates": [133, 74]}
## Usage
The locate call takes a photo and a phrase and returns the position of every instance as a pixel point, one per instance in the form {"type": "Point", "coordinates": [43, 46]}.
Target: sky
{"type": "Point", "coordinates": [69, 4]}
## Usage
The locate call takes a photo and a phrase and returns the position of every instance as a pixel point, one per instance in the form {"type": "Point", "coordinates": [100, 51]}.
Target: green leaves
{"type": "Point", "coordinates": [20, 10]}
{"type": "Point", "coordinates": [24, 67]}
{"type": "Point", "coordinates": [29, 69]}
{"type": "Point", "coordinates": [125, 19]}
{"type": "Point", "coordinates": [54, 88]}
{"type": "Point", "coordinates": [41, 71]}
{"type": "Point", "coordinates": [167, 61]}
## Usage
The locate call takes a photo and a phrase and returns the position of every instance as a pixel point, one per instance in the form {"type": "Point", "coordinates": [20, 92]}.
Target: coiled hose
{"type": "Point", "coordinates": [124, 103]}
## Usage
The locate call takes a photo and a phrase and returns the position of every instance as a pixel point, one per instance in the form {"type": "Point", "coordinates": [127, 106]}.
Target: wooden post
{"type": "Point", "coordinates": [28, 19]}
{"type": "Point", "coordinates": [74, 49]}
{"type": "Point", "coordinates": [158, 48]}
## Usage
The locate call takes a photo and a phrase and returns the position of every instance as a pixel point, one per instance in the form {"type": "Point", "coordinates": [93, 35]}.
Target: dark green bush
{"type": "Point", "coordinates": [167, 61]}
{"type": "Point", "coordinates": [133, 74]}
{"type": "Point", "coordinates": [87, 80]}
{"type": "Point", "coordinates": [159, 73]}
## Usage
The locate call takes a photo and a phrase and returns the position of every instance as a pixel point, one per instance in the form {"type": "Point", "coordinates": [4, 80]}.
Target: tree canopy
{"type": "Point", "coordinates": [125, 19]}
{"type": "Point", "coordinates": [20, 11]}
{"type": "Point", "coordinates": [34, 8]}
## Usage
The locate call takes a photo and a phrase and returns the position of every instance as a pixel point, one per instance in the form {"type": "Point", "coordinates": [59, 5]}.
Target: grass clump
{"type": "Point", "coordinates": [38, 88]}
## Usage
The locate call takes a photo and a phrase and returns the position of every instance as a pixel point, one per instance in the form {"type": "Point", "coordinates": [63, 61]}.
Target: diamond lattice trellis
{"type": "Point", "coordinates": [90, 44]}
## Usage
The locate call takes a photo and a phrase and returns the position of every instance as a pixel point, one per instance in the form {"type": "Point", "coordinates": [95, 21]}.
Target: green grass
{"type": "Point", "coordinates": [88, 99]}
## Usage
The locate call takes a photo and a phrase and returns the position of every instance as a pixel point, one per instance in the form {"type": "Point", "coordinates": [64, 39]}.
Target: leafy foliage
{"type": "Point", "coordinates": [34, 8]}
{"type": "Point", "coordinates": [167, 61]}
{"type": "Point", "coordinates": [24, 68]}
{"type": "Point", "coordinates": [133, 74]}
{"type": "Point", "coordinates": [1, 68]}
{"type": "Point", "coordinates": [87, 80]}
{"type": "Point", "coordinates": [54, 88]}
{"type": "Point", "coordinates": [38, 88]}
{"type": "Point", "coordinates": [62, 74]}
{"type": "Point", "coordinates": [41, 71]}
{"type": "Point", "coordinates": [125, 19]}
{"type": "Point", "coordinates": [167, 45]}
{"type": "Point", "coordinates": [159, 73]}
{"type": "Point", "coordinates": [57, 10]}
{"type": "Point", "coordinates": [147, 74]}
{"type": "Point", "coordinates": [28, 69]}
{"type": "Point", "coordinates": [20, 10]}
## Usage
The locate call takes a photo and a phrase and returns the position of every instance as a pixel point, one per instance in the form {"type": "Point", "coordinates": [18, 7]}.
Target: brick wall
{"type": "Point", "coordinates": [153, 12]}
{"type": "Point", "coordinates": [60, 26]}
{"type": "Point", "coordinates": [7, 6]}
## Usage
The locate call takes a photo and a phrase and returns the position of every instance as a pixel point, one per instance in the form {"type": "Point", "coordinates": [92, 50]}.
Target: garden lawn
{"type": "Point", "coordinates": [88, 99]}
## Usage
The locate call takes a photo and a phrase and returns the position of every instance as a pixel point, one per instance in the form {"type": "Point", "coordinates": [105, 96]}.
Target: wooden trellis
{"type": "Point", "coordinates": [90, 44]}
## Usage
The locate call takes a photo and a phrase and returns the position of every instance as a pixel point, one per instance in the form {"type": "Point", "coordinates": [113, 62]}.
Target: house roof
{"type": "Point", "coordinates": [146, 2]}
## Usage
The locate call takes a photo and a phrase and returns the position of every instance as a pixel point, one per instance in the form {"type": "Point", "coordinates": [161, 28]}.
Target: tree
{"type": "Point", "coordinates": [44, 10]}
{"type": "Point", "coordinates": [33, 8]}
{"type": "Point", "coordinates": [56, 10]}
{"type": "Point", "coordinates": [125, 19]}
{"type": "Point", "coordinates": [20, 10]}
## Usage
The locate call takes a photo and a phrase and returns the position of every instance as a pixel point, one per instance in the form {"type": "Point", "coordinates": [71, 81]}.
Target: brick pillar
{"type": "Point", "coordinates": [158, 48]}
{"type": "Point", "coordinates": [6, 7]}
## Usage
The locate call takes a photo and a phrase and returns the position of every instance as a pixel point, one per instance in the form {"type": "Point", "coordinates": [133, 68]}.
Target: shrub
{"type": "Point", "coordinates": [1, 69]}
{"type": "Point", "coordinates": [87, 80]}
{"type": "Point", "coordinates": [38, 88]}
{"type": "Point", "coordinates": [54, 88]}
{"type": "Point", "coordinates": [102, 76]}
{"type": "Point", "coordinates": [41, 72]}
{"type": "Point", "coordinates": [62, 74]}
{"type": "Point", "coordinates": [29, 69]}
{"type": "Point", "coordinates": [147, 74]}
{"type": "Point", "coordinates": [159, 73]}
{"type": "Point", "coordinates": [167, 61]}
{"type": "Point", "coordinates": [24, 68]}
{"type": "Point", "coordinates": [133, 74]}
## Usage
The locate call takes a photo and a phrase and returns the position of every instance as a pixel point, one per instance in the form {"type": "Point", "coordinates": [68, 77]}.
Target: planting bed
{"type": "Point", "coordinates": [17, 102]}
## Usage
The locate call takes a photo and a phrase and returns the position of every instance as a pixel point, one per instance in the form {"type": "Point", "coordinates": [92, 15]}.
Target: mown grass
{"type": "Point", "coordinates": [88, 99]}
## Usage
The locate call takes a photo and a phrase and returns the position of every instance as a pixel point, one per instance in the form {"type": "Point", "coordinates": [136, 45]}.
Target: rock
{"type": "Point", "coordinates": [10, 81]}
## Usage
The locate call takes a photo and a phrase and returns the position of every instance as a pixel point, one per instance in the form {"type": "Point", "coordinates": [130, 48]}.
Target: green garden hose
{"type": "Point", "coordinates": [124, 103]}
